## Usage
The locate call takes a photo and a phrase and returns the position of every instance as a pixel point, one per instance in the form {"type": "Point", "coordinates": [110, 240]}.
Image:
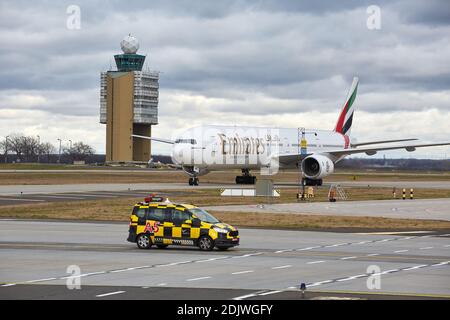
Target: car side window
{"type": "Point", "coordinates": [178, 216]}
{"type": "Point", "coordinates": [156, 214]}
{"type": "Point", "coordinates": [140, 212]}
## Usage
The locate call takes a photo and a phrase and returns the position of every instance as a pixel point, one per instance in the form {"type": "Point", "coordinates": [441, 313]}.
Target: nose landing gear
{"type": "Point", "coordinates": [193, 181]}
{"type": "Point", "coordinates": [246, 178]}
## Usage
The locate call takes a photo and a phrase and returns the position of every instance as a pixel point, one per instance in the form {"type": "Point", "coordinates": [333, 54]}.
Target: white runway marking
{"type": "Point", "coordinates": [219, 258]}
{"type": "Point", "coordinates": [282, 267]}
{"type": "Point", "coordinates": [314, 262]}
{"type": "Point", "coordinates": [347, 258]}
{"type": "Point", "coordinates": [174, 263]}
{"type": "Point", "coordinates": [245, 297]}
{"type": "Point", "coordinates": [92, 274]}
{"type": "Point", "coordinates": [136, 268]}
{"type": "Point", "coordinates": [201, 278]}
{"type": "Point", "coordinates": [117, 271]}
{"type": "Point", "coordinates": [83, 275]}
{"type": "Point", "coordinates": [344, 279]}
{"type": "Point", "coordinates": [426, 248]}
{"type": "Point", "coordinates": [337, 245]}
{"type": "Point", "coordinates": [8, 285]}
{"type": "Point", "coordinates": [320, 283]}
{"type": "Point", "coordinates": [389, 271]}
{"type": "Point", "coordinates": [242, 272]}
{"type": "Point", "coordinates": [400, 251]}
{"type": "Point", "coordinates": [248, 255]}
{"type": "Point", "coordinates": [109, 294]}
{"type": "Point", "coordinates": [309, 248]}
{"type": "Point", "coordinates": [357, 276]}
{"type": "Point", "coordinates": [415, 267]}
{"type": "Point", "coordinates": [269, 292]}
{"type": "Point", "coordinates": [281, 251]}
{"type": "Point", "coordinates": [40, 280]}
{"type": "Point", "coordinates": [440, 264]}
{"type": "Point", "coordinates": [373, 255]}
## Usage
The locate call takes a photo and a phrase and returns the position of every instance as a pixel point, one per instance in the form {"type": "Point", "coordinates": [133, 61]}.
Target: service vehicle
{"type": "Point", "coordinates": [162, 223]}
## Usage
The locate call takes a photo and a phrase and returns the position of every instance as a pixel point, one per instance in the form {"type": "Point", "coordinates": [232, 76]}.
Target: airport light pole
{"type": "Point", "coordinates": [59, 153]}
{"type": "Point", "coordinates": [70, 141]}
{"type": "Point", "coordinates": [39, 148]}
{"type": "Point", "coordinates": [6, 149]}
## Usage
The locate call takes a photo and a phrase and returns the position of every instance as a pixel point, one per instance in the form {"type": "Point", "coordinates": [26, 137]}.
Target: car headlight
{"type": "Point", "coordinates": [220, 230]}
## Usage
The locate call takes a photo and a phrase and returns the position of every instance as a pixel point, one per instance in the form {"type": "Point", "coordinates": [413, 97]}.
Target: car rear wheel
{"type": "Point", "coordinates": [143, 241]}
{"type": "Point", "coordinates": [162, 246]}
{"type": "Point", "coordinates": [205, 243]}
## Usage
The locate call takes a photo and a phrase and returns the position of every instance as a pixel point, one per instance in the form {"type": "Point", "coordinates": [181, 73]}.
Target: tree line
{"type": "Point", "coordinates": [22, 148]}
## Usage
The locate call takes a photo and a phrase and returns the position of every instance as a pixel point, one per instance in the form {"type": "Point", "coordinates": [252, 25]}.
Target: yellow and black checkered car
{"type": "Point", "coordinates": [165, 224]}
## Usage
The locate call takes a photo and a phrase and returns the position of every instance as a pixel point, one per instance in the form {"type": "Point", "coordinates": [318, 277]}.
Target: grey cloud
{"type": "Point", "coordinates": [285, 50]}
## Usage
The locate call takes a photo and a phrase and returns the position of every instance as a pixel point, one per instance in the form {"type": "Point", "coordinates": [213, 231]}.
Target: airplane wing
{"type": "Point", "coordinates": [154, 139]}
{"type": "Point", "coordinates": [358, 144]}
{"type": "Point", "coordinates": [289, 159]}
{"type": "Point", "coordinates": [372, 151]}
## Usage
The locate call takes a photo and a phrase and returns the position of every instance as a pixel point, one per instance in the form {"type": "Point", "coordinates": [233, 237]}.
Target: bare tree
{"type": "Point", "coordinates": [79, 151]}
{"type": "Point", "coordinates": [30, 147]}
{"type": "Point", "coordinates": [26, 148]}
{"type": "Point", "coordinates": [15, 145]}
{"type": "Point", "coordinates": [47, 148]}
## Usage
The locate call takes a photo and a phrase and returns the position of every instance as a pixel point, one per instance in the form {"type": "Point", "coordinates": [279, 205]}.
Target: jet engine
{"type": "Point", "coordinates": [317, 166]}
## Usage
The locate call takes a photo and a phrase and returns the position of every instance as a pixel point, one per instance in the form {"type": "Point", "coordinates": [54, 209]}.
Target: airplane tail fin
{"type": "Point", "coordinates": [344, 123]}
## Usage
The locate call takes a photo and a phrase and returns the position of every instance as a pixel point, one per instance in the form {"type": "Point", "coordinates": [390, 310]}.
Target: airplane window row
{"type": "Point", "coordinates": [190, 141]}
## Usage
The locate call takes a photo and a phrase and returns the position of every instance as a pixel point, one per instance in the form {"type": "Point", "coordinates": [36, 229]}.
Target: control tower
{"type": "Point", "coordinates": [128, 105]}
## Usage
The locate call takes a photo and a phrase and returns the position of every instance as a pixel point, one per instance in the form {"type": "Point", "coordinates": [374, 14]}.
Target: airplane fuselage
{"type": "Point", "coordinates": [210, 148]}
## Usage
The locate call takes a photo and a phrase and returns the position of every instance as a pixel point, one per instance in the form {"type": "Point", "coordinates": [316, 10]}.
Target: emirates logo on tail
{"type": "Point", "coordinates": [345, 120]}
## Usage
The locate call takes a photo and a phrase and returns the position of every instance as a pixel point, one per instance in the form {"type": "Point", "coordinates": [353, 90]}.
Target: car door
{"type": "Point", "coordinates": [155, 221]}
{"type": "Point", "coordinates": [181, 231]}
{"type": "Point", "coordinates": [168, 225]}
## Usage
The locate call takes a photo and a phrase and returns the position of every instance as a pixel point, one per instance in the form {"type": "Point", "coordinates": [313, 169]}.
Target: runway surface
{"type": "Point", "coordinates": [269, 264]}
{"type": "Point", "coordinates": [434, 209]}
{"type": "Point", "coordinates": [32, 198]}
{"type": "Point", "coordinates": [14, 190]}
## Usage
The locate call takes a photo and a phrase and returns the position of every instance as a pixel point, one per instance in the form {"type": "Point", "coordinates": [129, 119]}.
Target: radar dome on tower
{"type": "Point", "coordinates": [129, 44]}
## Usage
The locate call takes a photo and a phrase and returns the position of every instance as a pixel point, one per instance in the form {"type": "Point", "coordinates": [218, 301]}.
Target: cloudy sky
{"type": "Point", "coordinates": [276, 63]}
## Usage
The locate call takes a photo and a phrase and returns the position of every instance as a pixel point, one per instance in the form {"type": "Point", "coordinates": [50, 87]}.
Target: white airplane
{"type": "Point", "coordinates": [202, 149]}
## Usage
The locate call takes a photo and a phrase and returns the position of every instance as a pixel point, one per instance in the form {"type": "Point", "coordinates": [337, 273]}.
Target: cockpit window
{"type": "Point", "coordinates": [189, 141]}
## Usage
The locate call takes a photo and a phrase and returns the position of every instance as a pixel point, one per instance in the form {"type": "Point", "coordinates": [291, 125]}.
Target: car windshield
{"type": "Point", "coordinates": [204, 216]}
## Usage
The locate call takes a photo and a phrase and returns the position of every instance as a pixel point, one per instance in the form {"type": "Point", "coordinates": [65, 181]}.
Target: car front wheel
{"type": "Point", "coordinates": [143, 241]}
{"type": "Point", "coordinates": [205, 243]}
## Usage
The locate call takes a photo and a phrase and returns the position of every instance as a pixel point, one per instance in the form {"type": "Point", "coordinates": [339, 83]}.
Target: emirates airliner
{"type": "Point", "coordinates": [202, 149]}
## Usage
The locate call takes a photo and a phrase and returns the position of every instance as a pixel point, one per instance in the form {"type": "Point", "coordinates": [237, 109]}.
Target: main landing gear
{"type": "Point", "coordinates": [246, 178]}
{"type": "Point", "coordinates": [193, 181]}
